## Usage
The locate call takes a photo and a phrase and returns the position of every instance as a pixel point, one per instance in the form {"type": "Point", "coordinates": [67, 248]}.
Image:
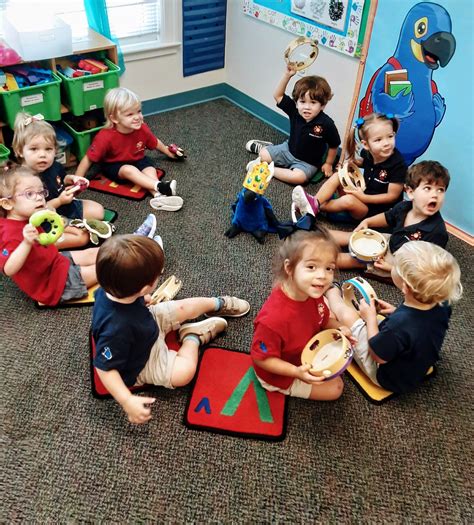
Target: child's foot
{"type": "Point", "coordinates": [148, 228]}
{"type": "Point", "coordinates": [205, 330]}
{"type": "Point", "coordinates": [164, 203]}
{"type": "Point", "coordinates": [231, 307]}
{"type": "Point", "coordinates": [159, 240]}
{"type": "Point", "coordinates": [165, 188]}
{"type": "Point", "coordinates": [303, 202]}
{"type": "Point", "coordinates": [254, 146]}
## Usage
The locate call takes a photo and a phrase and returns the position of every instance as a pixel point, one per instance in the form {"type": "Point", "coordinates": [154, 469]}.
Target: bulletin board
{"type": "Point", "coordinates": [336, 24]}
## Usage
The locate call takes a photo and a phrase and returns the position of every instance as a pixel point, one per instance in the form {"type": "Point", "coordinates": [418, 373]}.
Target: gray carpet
{"type": "Point", "coordinates": [67, 457]}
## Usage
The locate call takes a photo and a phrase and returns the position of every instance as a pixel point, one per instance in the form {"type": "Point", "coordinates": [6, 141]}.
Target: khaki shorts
{"type": "Point", "coordinates": [159, 366]}
{"type": "Point", "coordinates": [297, 388]}
{"type": "Point", "coordinates": [361, 351]}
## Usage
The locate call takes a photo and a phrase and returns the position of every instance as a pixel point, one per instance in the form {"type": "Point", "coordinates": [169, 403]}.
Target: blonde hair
{"type": "Point", "coordinates": [118, 99]}
{"type": "Point", "coordinates": [292, 247]}
{"type": "Point", "coordinates": [27, 127]}
{"type": "Point", "coordinates": [9, 179]}
{"type": "Point", "coordinates": [431, 272]}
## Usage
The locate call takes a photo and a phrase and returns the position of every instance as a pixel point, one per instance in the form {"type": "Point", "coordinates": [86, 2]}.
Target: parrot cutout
{"type": "Point", "coordinates": [425, 43]}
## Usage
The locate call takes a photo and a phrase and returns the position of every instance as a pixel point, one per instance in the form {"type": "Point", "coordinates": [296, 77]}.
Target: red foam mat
{"type": "Point", "coordinates": [124, 189]}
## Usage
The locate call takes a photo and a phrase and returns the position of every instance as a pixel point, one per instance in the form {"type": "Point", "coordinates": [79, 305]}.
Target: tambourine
{"type": "Point", "coordinates": [301, 53]}
{"type": "Point", "coordinates": [350, 176]}
{"type": "Point", "coordinates": [51, 221]}
{"type": "Point", "coordinates": [79, 187]}
{"type": "Point", "coordinates": [367, 245]}
{"type": "Point", "coordinates": [363, 288]}
{"type": "Point", "coordinates": [329, 353]}
{"type": "Point", "coordinates": [167, 291]}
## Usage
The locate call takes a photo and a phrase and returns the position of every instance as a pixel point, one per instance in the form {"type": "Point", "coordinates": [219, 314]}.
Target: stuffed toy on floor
{"type": "Point", "coordinates": [252, 212]}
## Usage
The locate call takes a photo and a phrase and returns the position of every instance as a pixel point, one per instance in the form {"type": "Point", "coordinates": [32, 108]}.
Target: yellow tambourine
{"type": "Point", "coordinates": [301, 52]}
{"type": "Point", "coordinates": [167, 291]}
{"type": "Point", "coordinates": [50, 221]}
{"type": "Point", "coordinates": [367, 245]}
{"type": "Point", "coordinates": [329, 354]}
{"type": "Point", "coordinates": [350, 176]}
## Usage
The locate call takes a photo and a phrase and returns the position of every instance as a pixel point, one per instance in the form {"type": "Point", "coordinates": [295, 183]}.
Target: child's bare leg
{"type": "Point", "coordinates": [264, 155]}
{"type": "Point", "coordinates": [185, 362]}
{"type": "Point", "coordinates": [136, 176]}
{"type": "Point", "coordinates": [194, 307]}
{"type": "Point", "coordinates": [344, 313]}
{"type": "Point", "coordinates": [295, 176]}
{"type": "Point", "coordinates": [345, 261]}
{"type": "Point", "coordinates": [327, 190]}
{"type": "Point", "coordinates": [341, 238]}
{"type": "Point", "coordinates": [92, 210]}
{"type": "Point", "coordinates": [86, 260]}
{"type": "Point", "coordinates": [72, 238]}
{"type": "Point", "coordinates": [327, 390]}
{"type": "Point", "coordinates": [348, 203]}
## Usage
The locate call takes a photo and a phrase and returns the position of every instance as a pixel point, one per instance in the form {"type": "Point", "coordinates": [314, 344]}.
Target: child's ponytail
{"type": "Point", "coordinates": [351, 144]}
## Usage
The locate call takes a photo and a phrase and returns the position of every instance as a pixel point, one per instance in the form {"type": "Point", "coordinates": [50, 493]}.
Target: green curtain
{"type": "Point", "coordinates": [98, 19]}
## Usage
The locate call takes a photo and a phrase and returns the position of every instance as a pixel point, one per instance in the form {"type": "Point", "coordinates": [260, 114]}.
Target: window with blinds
{"type": "Point", "coordinates": [131, 21]}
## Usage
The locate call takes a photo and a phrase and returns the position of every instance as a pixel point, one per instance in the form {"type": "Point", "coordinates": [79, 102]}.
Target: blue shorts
{"type": "Point", "coordinates": [111, 169]}
{"type": "Point", "coordinates": [73, 210]}
{"type": "Point", "coordinates": [282, 158]}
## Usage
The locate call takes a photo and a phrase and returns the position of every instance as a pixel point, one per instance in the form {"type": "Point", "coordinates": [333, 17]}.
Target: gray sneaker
{"type": "Point", "coordinates": [147, 228]}
{"type": "Point", "coordinates": [206, 330]}
{"type": "Point", "coordinates": [232, 307]}
{"type": "Point", "coordinates": [254, 146]}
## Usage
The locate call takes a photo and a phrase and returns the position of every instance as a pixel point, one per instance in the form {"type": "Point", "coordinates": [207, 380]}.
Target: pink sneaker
{"type": "Point", "coordinates": [303, 203]}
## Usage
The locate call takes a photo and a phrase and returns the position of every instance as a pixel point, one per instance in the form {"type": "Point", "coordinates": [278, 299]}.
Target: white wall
{"type": "Point", "coordinates": [254, 57]}
{"type": "Point", "coordinates": [254, 64]}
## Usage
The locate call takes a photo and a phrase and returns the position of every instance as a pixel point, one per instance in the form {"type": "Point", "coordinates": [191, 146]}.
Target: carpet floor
{"type": "Point", "coordinates": [68, 458]}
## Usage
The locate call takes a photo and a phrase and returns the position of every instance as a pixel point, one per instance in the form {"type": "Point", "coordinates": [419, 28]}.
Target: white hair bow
{"type": "Point", "coordinates": [31, 119]}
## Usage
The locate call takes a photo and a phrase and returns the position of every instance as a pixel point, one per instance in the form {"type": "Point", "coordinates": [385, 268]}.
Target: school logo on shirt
{"type": "Point", "coordinates": [317, 131]}
{"type": "Point", "coordinates": [263, 347]}
{"type": "Point", "coordinates": [415, 236]}
{"type": "Point", "coordinates": [5, 252]}
{"type": "Point", "coordinates": [383, 176]}
{"type": "Point", "coordinates": [321, 310]}
{"type": "Point", "coordinates": [107, 353]}
{"type": "Point", "coordinates": [140, 146]}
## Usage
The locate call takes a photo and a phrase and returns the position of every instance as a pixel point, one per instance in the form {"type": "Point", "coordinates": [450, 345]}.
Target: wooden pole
{"type": "Point", "coordinates": [360, 73]}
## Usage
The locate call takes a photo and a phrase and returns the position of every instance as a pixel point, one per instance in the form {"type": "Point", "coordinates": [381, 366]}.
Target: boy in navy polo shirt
{"type": "Point", "coordinates": [397, 353]}
{"type": "Point", "coordinates": [312, 132]}
{"type": "Point", "coordinates": [415, 219]}
{"type": "Point", "coordinates": [130, 336]}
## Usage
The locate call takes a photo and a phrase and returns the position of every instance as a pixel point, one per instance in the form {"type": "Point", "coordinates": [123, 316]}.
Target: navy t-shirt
{"type": "Point", "coordinates": [432, 229]}
{"type": "Point", "coordinates": [124, 335]}
{"type": "Point", "coordinates": [309, 140]}
{"type": "Point", "coordinates": [379, 176]}
{"type": "Point", "coordinates": [410, 341]}
{"type": "Point", "coordinates": [53, 179]}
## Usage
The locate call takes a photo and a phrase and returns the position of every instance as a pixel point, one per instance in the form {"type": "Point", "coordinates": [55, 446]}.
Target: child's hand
{"type": "Point", "coordinates": [358, 193]}
{"type": "Point", "coordinates": [137, 410]}
{"type": "Point", "coordinates": [290, 70]}
{"type": "Point", "coordinates": [303, 374]}
{"type": "Point", "coordinates": [30, 234]}
{"type": "Point", "coordinates": [82, 181]}
{"type": "Point", "coordinates": [385, 308]}
{"type": "Point", "coordinates": [367, 310]}
{"type": "Point", "coordinates": [346, 331]}
{"type": "Point", "coordinates": [326, 168]}
{"type": "Point", "coordinates": [362, 226]}
{"type": "Point", "coordinates": [66, 196]}
{"type": "Point", "coordinates": [382, 264]}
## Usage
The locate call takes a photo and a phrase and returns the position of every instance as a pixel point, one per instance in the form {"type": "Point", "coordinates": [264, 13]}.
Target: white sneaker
{"type": "Point", "coordinates": [163, 203]}
{"type": "Point", "coordinates": [254, 146]}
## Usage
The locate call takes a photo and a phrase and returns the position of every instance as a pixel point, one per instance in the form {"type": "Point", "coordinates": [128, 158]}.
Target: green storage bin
{"type": "Point", "coordinates": [43, 98]}
{"type": "Point", "coordinates": [81, 140]}
{"type": "Point", "coordinates": [86, 93]}
{"type": "Point", "coordinates": [4, 154]}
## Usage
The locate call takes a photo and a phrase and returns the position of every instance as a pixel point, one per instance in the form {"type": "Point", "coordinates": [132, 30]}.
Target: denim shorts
{"type": "Point", "coordinates": [75, 286]}
{"type": "Point", "coordinates": [111, 169]}
{"type": "Point", "coordinates": [282, 158]}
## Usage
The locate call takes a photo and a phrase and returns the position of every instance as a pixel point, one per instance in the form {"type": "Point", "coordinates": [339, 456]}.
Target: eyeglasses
{"type": "Point", "coordinates": [31, 194]}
